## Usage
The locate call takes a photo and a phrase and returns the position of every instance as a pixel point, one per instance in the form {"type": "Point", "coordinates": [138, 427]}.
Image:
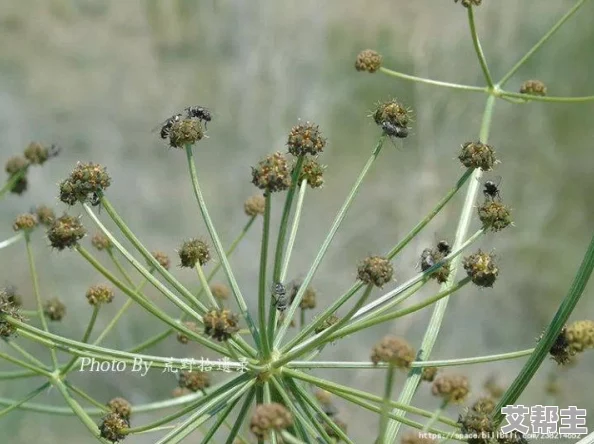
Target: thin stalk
{"type": "Point", "coordinates": [85, 338]}
{"type": "Point", "coordinates": [119, 266]}
{"type": "Point", "coordinates": [541, 42]}
{"type": "Point", "coordinates": [38, 301]}
{"type": "Point", "coordinates": [389, 385]}
{"type": "Point", "coordinates": [151, 341]}
{"type": "Point", "coordinates": [12, 180]}
{"type": "Point", "coordinates": [550, 335]}
{"type": "Point", "coordinates": [324, 248]}
{"type": "Point", "coordinates": [11, 240]}
{"type": "Point", "coordinates": [432, 82]}
{"type": "Point", "coordinates": [219, 422]}
{"type": "Point", "coordinates": [241, 417]}
{"type": "Point", "coordinates": [87, 398]}
{"type": "Point", "coordinates": [32, 394]}
{"type": "Point", "coordinates": [16, 374]}
{"type": "Point", "coordinates": [219, 247]}
{"type": "Point", "coordinates": [414, 376]}
{"type": "Point", "coordinates": [552, 99]}
{"type": "Point", "coordinates": [478, 49]}
{"type": "Point", "coordinates": [25, 354]}
{"type": "Point", "coordinates": [211, 299]}
{"type": "Point", "coordinates": [436, 414]}
{"type": "Point", "coordinates": [262, 287]}
{"type": "Point", "coordinates": [290, 439]}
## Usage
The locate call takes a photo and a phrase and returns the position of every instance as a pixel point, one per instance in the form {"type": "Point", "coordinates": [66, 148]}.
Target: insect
{"type": "Point", "coordinates": [427, 260]}
{"type": "Point", "coordinates": [394, 130]}
{"type": "Point", "coordinates": [444, 247]}
{"type": "Point", "coordinates": [279, 292]}
{"type": "Point", "coordinates": [54, 150]}
{"type": "Point", "coordinates": [491, 190]}
{"type": "Point", "coordinates": [199, 112]}
{"type": "Point", "coordinates": [167, 124]}
{"type": "Point", "coordinates": [95, 199]}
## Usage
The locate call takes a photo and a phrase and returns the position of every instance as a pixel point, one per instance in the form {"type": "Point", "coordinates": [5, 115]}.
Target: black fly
{"type": "Point", "coordinates": [279, 292]}
{"type": "Point", "coordinates": [200, 113]}
{"type": "Point", "coordinates": [491, 190]}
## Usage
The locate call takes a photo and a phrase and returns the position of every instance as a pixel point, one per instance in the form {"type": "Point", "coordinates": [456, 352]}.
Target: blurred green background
{"type": "Point", "coordinates": [96, 76]}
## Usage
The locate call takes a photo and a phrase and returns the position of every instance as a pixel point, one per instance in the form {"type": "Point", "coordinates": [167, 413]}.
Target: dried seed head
{"type": "Point", "coordinates": [309, 297]}
{"type": "Point", "coordinates": [185, 132]}
{"type": "Point", "coordinates": [85, 180]}
{"type": "Point", "coordinates": [534, 88]}
{"type": "Point", "coordinates": [394, 351]}
{"type": "Point", "coordinates": [272, 174]}
{"type": "Point", "coordinates": [45, 215]}
{"type": "Point", "coordinates": [120, 406]}
{"type": "Point", "coordinates": [162, 259]}
{"type": "Point", "coordinates": [65, 232]}
{"type": "Point", "coordinates": [428, 374]}
{"type": "Point", "coordinates": [328, 322]}
{"type": "Point", "coordinates": [220, 291]}
{"type": "Point", "coordinates": [375, 270]}
{"type": "Point", "coordinates": [15, 164]}
{"type": "Point", "coordinates": [452, 388]}
{"type": "Point", "coordinates": [8, 308]}
{"type": "Point", "coordinates": [12, 296]}
{"type": "Point", "coordinates": [269, 417]}
{"type": "Point", "coordinates": [100, 294]}
{"type": "Point", "coordinates": [478, 155]}
{"type": "Point", "coordinates": [494, 215]}
{"type": "Point", "coordinates": [306, 138]}
{"type": "Point", "coordinates": [415, 438]}
{"type": "Point", "coordinates": [484, 404]}
{"type": "Point", "coordinates": [112, 427]}
{"type": "Point", "coordinates": [101, 242]}
{"type": "Point", "coordinates": [392, 112]}
{"type": "Point", "coordinates": [54, 309]}
{"type": "Point", "coordinates": [25, 222]}
{"type": "Point", "coordinates": [220, 324]}
{"type": "Point", "coordinates": [312, 172]}
{"type": "Point", "coordinates": [36, 153]}
{"type": "Point", "coordinates": [368, 60]}
{"type": "Point", "coordinates": [469, 3]}
{"type": "Point", "coordinates": [194, 380]}
{"type": "Point", "coordinates": [481, 268]}
{"type": "Point", "coordinates": [255, 205]}
{"type": "Point", "coordinates": [477, 425]}
{"type": "Point", "coordinates": [181, 337]}
{"type": "Point", "coordinates": [580, 336]}
{"type": "Point", "coordinates": [192, 252]}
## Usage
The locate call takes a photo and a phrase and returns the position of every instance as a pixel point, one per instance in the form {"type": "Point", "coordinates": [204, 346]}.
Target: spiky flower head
{"type": "Point", "coordinates": [162, 259]}
{"type": "Point", "coordinates": [375, 270]}
{"type": "Point", "coordinates": [272, 174]}
{"type": "Point", "coordinates": [428, 374]}
{"type": "Point", "coordinates": [312, 172]}
{"type": "Point", "coordinates": [65, 232]}
{"type": "Point", "coordinates": [101, 242]}
{"type": "Point", "coordinates": [368, 60]}
{"type": "Point", "coordinates": [185, 132]}
{"type": "Point", "coordinates": [481, 268]}
{"type": "Point", "coordinates": [194, 380]}
{"type": "Point", "coordinates": [25, 222]}
{"type": "Point", "coordinates": [100, 294]}
{"type": "Point", "coordinates": [36, 153]}
{"type": "Point", "coordinates": [478, 155]}
{"type": "Point", "coordinates": [255, 205]}
{"type": "Point", "coordinates": [182, 337]}
{"type": "Point", "coordinates": [112, 427]}
{"type": "Point", "coordinates": [54, 309]}
{"type": "Point", "coordinates": [306, 138]}
{"type": "Point", "coordinates": [11, 294]}
{"type": "Point", "coordinates": [8, 308]}
{"type": "Point", "coordinates": [15, 164]}
{"type": "Point", "coordinates": [484, 404]}
{"type": "Point", "coordinates": [580, 335]}
{"type": "Point", "coordinates": [45, 215]}
{"type": "Point", "coordinates": [452, 388]}
{"type": "Point", "coordinates": [495, 216]}
{"type": "Point", "coordinates": [393, 350]}
{"type": "Point", "coordinates": [393, 113]}
{"type": "Point", "coordinates": [120, 406]}
{"type": "Point", "coordinates": [220, 324]}
{"type": "Point", "coordinates": [534, 88]}
{"type": "Point", "coordinates": [192, 252]}
{"type": "Point", "coordinates": [220, 291]}
{"type": "Point", "coordinates": [477, 425]}
{"type": "Point", "coordinates": [268, 417]}
{"type": "Point", "coordinates": [85, 181]}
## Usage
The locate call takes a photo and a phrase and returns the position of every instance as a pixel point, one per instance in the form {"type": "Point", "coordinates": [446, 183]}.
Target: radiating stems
{"type": "Point", "coordinates": [85, 338]}
{"type": "Point", "coordinates": [38, 301]}
{"type": "Point", "coordinates": [32, 394]}
{"type": "Point", "coordinates": [241, 416]}
{"type": "Point", "coordinates": [401, 75]}
{"type": "Point", "coordinates": [119, 266]}
{"type": "Point", "coordinates": [219, 247]}
{"type": "Point", "coordinates": [551, 99]}
{"type": "Point", "coordinates": [324, 248]}
{"type": "Point", "coordinates": [220, 420]}
{"type": "Point", "coordinates": [25, 354]}
{"type": "Point", "coordinates": [478, 49]}
{"type": "Point", "coordinates": [78, 410]}
{"type": "Point", "coordinates": [204, 282]}
{"type": "Point", "coordinates": [262, 287]}
{"type": "Point", "coordinates": [389, 384]}
{"type": "Point", "coordinates": [86, 397]}
{"type": "Point", "coordinates": [38, 370]}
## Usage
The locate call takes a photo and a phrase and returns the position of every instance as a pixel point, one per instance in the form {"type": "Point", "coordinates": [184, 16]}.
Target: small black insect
{"type": "Point", "coordinates": [167, 124]}
{"type": "Point", "coordinates": [95, 199]}
{"type": "Point", "coordinates": [199, 112]}
{"type": "Point", "coordinates": [279, 292]}
{"type": "Point", "coordinates": [54, 150]}
{"type": "Point", "coordinates": [491, 190]}
{"type": "Point", "coordinates": [427, 260]}
{"type": "Point", "coordinates": [395, 130]}
{"type": "Point", "coordinates": [444, 247]}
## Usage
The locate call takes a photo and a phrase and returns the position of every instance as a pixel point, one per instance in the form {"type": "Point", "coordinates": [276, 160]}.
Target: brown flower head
{"type": "Point", "coordinates": [272, 174]}
{"type": "Point", "coordinates": [194, 380]}
{"type": "Point", "coordinates": [306, 138]}
{"type": "Point", "coordinates": [220, 324]}
{"type": "Point", "coordinates": [375, 270]}
{"type": "Point", "coordinates": [100, 294]}
{"type": "Point", "coordinates": [65, 232]}
{"type": "Point", "coordinates": [255, 205]}
{"type": "Point", "coordinates": [452, 388]}
{"type": "Point", "coordinates": [393, 350]}
{"type": "Point", "coordinates": [368, 60]}
{"type": "Point", "coordinates": [269, 417]}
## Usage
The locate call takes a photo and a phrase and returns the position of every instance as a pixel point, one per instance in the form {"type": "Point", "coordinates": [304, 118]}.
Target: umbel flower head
{"type": "Point", "coordinates": [112, 427]}
{"type": "Point", "coordinates": [54, 309]}
{"type": "Point", "coordinates": [100, 294]}
{"type": "Point", "coordinates": [580, 336]}
{"type": "Point", "coordinates": [306, 138]}
{"type": "Point", "coordinates": [162, 259]}
{"type": "Point", "coordinates": [394, 351]}
{"type": "Point", "coordinates": [25, 222]}
{"type": "Point", "coordinates": [101, 242]}
{"type": "Point", "coordinates": [495, 216]}
{"type": "Point", "coordinates": [38, 154]}
{"type": "Point", "coordinates": [393, 113]}
{"type": "Point", "coordinates": [312, 172]}
{"type": "Point", "coordinates": [481, 268]}
{"type": "Point", "coordinates": [534, 88]}
{"type": "Point", "coordinates": [452, 388]}
{"type": "Point", "coordinates": [65, 232]}
{"type": "Point", "coordinates": [185, 132]}
{"type": "Point", "coordinates": [192, 252]}
{"type": "Point", "coordinates": [428, 374]}
{"type": "Point", "coordinates": [220, 324]}
{"type": "Point", "coordinates": [268, 417]}
{"type": "Point", "coordinates": [368, 60]}
{"type": "Point", "coordinates": [86, 180]}
{"type": "Point", "coordinates": [220, 291]}
{"type": "Point", "coordinates": [194, 380]}
{"type": "Point", "coordinates": [45, 215]}
{"type": "Point", "coordinates": [255, 205]}
{"type": "Point", "coordinates": [478, 155]}
{"type": "Point", "coordinates": [120, 406]}
{"type": "Point", "coordinates": [478, 425]}
{"type": "Point", "coordinates": [375, 270]}
{"type": "Point", "coordinates": [272, 174]}
{"type": "Point", "coordinates": [8, 308]}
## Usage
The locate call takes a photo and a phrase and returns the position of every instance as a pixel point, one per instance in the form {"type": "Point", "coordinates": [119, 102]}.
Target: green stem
{"type": "Point", "coordinates": [204, 282]}
{"type": "Point", "coordinates": [553, 99]}
{"type": "Point", "coordinates": [552, 332]}
{"type": "Point", "coordinates": [24, 353]}
{"type": "Point", "coordinates": [11, 240]}
{"type": "Point", "coordinates": [414, 376]}
{"type": "Point", "coordinates": [324, 248]}
{"type": "Point", "coordinates": [478, 49]}
{"type": "Point", "coordinates": [220, 420]}
{"type": "Point", "coordinates": [38, 301]}
{"type": "Point", "coordinates": [435, 416]}
{"type": "Point", "coordinates": [262, 287]}
{"type": "Point", "coordinates": [242, 415]}
{"type": "Point", "coordinates": [87, 398]}
{"type": "Point", "coordinates": [541, 42]}
{"type": "Point", "coordinates": [12, 180]}
{"type": "Point", "coordinates": [219, 247]}
{"type": "Point", "coordinates": [85, 338]}
{"type": "Point", "coordinates": [432, 82]}
{"type": "Point", "coordinates": [31, 395]}
{"type": "Point", "coordinates": [389, 384]}
{"type": "Point", "coordinates": [119, 266]}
